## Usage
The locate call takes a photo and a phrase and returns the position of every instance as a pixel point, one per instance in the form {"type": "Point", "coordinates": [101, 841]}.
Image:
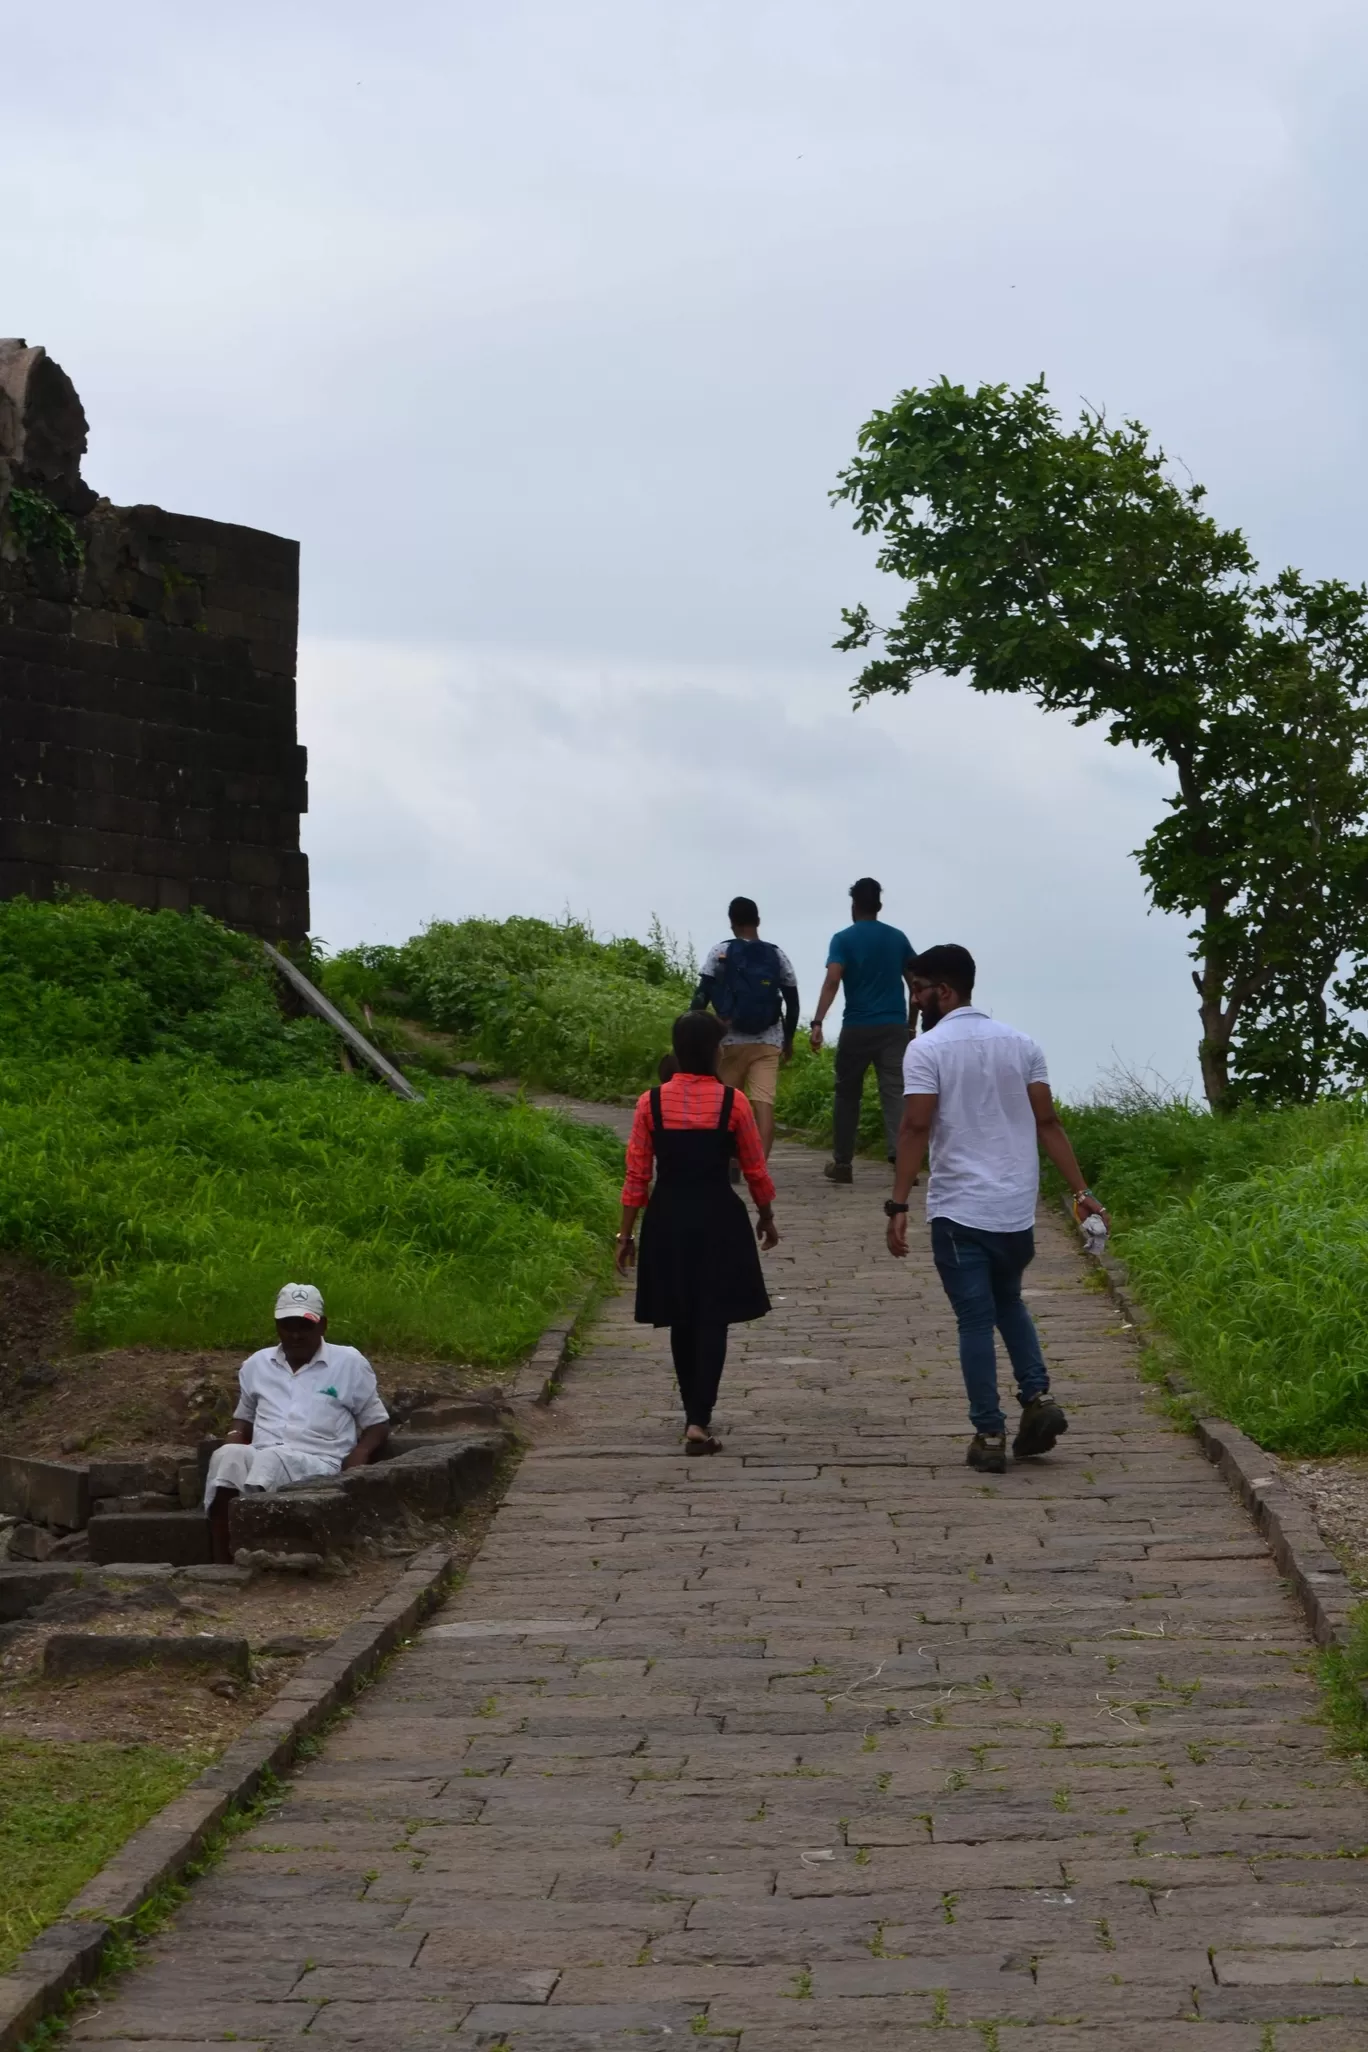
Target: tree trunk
{"type": "Point", "coordinates": [1214, 1055]}
{"type": "Point", "coordinates": [1218, 1023]}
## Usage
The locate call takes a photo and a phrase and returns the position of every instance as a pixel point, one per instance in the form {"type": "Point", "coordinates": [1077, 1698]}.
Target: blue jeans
{"type": "Point", "coordinates": [982, 1276]}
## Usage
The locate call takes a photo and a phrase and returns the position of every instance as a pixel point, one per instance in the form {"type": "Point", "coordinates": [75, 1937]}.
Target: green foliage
{"type": "Point", "coordinates": [77, 974]}
{"type": "Point", "coordinates": [182, 1197]}
{"type": "Point", "coordinates": [806, 1099]}
{"type": "Point", "coordinates": [1343, 1674]}
{"type": "Point", "coordinates": [547, 1002]}
{"type": "Point", "coordinates": [1247, 1238]}
{"type": "Point", "coordinates": [38, 524]}
{"type": "Point", "coordinates": [64, 1809]}
{"type": "Point", "coordinates": [176, 1146]}
{"type": "Point", "coordinates": [1069, 565]}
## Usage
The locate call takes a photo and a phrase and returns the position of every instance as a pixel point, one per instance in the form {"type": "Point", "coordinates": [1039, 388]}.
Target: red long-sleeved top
{"type": "Point", "coordinates": [694, 1102]}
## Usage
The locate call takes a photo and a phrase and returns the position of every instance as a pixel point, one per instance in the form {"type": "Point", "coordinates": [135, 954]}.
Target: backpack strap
{"type": "Point", "coordinates": [724, 1116]}
{"type": "Point", "coordinates": [657, 1117]}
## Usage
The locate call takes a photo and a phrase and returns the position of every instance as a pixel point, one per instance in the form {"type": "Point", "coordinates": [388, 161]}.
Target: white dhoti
{"type": "Point", "coordinates": [263, 1467]}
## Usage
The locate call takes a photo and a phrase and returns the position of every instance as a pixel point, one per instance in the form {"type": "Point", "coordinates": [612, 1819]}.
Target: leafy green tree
{"type": "Point", "coordinates": [1070, 565]}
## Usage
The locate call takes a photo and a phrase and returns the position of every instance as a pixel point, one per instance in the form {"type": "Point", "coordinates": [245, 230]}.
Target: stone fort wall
{"type": "Point", "coordinates": [148, 745]}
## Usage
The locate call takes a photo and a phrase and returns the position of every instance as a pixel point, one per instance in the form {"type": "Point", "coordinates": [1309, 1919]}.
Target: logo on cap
{"type": "Point", "coordinates": [300, 1300]}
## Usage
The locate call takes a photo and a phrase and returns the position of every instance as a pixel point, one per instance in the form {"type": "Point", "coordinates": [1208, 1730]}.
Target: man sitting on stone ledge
{"type": "Point", "coordinates": [307, 1407]}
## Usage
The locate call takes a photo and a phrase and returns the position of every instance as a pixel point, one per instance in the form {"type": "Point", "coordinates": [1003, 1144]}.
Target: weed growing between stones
{"type": "Point", "coordinates": [1343, 1675]}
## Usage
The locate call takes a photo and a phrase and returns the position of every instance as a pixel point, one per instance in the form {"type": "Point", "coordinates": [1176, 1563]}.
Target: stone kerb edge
{"type": "Point", "coordinates": [68, 1953]}
{"type": "Point", "coordinates": [1287, 1528]}
{"type": "Point", "coordinates": [535, 1379]}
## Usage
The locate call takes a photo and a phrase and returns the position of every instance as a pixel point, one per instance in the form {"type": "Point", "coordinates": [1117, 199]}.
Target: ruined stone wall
{"type": "Point", "coordinates": [147, 687]}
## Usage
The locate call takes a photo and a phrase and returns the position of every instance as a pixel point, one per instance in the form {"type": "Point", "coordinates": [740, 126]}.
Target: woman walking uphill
{"type": "Point", "coordinates": [699, 1270]}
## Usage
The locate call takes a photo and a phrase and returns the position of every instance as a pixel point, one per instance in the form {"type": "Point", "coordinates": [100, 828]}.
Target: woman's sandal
{"type": "Point", "coordinates": [703, 1446]}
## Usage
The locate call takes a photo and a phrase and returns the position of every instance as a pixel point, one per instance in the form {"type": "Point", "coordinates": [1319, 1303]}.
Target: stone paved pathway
{"type": "Point", "coordinates": [824, 1743]}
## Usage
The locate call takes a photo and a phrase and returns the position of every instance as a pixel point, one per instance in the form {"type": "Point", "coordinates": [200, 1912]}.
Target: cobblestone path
{"type": "Point", "coordinates": [825, 1743]}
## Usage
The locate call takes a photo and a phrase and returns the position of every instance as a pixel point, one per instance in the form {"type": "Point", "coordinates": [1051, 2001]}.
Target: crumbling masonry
{"type": "Point", "coordinates": [147, 686]}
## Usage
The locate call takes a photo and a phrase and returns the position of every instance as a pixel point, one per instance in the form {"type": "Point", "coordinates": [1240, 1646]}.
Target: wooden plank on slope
{"type": "Point", "coordinates": [329, 1014]}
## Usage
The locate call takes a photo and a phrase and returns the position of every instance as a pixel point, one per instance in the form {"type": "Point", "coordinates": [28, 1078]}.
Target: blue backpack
{"type": "Point", "coordinates": [749, 994]}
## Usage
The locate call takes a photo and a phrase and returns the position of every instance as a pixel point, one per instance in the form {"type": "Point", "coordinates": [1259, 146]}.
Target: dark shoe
{"type": "Point", "coordinates": [839, 1172]}
{"type": "Point", "coordinates": [988, 1454]}
{"type": "Point", "coordinates": [703, 1446]}
{"type": "Point", "coordinates": [1042, 1423]}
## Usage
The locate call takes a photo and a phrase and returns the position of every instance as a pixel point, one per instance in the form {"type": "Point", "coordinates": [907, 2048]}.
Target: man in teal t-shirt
{"type": "Point", "coordinates": [872, 963]}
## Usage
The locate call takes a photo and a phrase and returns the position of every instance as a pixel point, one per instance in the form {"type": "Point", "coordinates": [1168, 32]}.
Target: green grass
{"type": "Point", "coordinates": [218, 1150]}
{"type": "Point", "coordinates": [181, 1198]}
{"type": "Point", "coordinates": [1247, 1238]}
{"type": "Point", "coordinates": [1343, 1676]}
{"type": "Point", "coordinates": [64, 1809]}
{"type": "Point", "coordinates": [556, 1006]}
{"type": "Point", "coordinates": [805, 1100]}
{"type": "Point", "coordinates": [549, 1003]}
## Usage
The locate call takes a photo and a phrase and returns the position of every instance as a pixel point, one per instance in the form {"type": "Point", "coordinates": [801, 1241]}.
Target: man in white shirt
{"type": "Point", "coordinates": [978, 1093]}
{"type": "Point", "coordinates": [305, 1407]}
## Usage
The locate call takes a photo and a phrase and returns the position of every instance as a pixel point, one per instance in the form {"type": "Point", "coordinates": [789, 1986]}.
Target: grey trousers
{"type": "Point", "coordinates": [857, 1047]}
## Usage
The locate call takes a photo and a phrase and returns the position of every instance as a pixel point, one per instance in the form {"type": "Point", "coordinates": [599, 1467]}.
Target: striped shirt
{"type": "Point", "coordinates": [691, 1103]}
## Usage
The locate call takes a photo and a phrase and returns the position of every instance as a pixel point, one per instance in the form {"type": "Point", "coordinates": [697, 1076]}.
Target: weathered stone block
{"type": "Point", "coordinates": [135, 1475]}
{"type": "Point", "coordinates": [127, 1506]}
{"type": "Point", "coordinates": [55, 1493]}
{"type": "Point", "coordinates": [469, 1462]}
{"type": "Point", "coordinates": [380, 1495]}
{"type": "Point", "coordinates": [77, 1653]}
{"type": "Point", "coordinates": [292, 1521]}
{"type": "Point", "coordinates": [181, 1537]}
{"type": "Point", "coordinates": [24, 1587]}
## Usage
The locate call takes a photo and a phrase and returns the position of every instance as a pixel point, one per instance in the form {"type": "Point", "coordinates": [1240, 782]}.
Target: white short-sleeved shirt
{"type": "Point", "coordinates": [322, 1408]}
{"type": "Point", "coordinates": [772, 1036]}
{"type": "Point", "coordinates": [985, 1157]}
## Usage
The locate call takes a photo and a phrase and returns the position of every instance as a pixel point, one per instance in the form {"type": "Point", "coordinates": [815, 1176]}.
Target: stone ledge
{"type": "Point", "coordinates": [534, 1380]}
{"type": "Point", "coordinates": [68, 1953]}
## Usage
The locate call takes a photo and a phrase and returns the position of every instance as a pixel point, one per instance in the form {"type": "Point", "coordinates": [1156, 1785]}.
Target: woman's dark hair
{"type": "Point", "coordinates": [949, 963]}
{"type": "Point", "coordinates": [667, 1067]}
{"type": "Point", "coordinates": [866, 895]}
{"type": "Point", "coordinates": [697, 1037]}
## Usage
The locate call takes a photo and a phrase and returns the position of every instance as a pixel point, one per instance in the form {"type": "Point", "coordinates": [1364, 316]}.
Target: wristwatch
{"type": "Point", "coordinates": [892, 1210]}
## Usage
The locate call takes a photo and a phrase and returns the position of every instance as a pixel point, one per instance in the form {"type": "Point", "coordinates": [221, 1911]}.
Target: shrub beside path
{"type": "Point", "coordinates": [827, 1742]}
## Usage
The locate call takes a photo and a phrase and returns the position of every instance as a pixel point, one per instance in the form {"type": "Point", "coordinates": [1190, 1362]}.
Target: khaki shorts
{"type": "Point", "coordinates": [751, 1066]}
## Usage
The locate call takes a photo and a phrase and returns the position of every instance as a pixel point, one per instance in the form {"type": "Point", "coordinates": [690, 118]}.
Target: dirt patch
{"type": "Point", "coordinates": [285, 1620]}
{"type": "Point", "coordinates": [35, 1327]}
{"type": "Point", "coordinates": [140, 1399]}
{"type": "Point", "coordinates": [1336, 1494]}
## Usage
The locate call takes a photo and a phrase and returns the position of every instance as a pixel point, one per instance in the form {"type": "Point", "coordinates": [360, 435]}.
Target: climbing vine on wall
{"type": "Point", "coordinates": [38, 524]}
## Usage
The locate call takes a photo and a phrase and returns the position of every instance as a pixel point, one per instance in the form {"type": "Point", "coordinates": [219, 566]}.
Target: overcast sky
{"type": "Point", "coordinates": [545, 326]}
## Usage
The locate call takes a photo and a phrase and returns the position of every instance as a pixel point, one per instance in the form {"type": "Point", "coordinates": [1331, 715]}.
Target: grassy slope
{"type": "Point", "coordinates": [171, 1142]}
{"type": "Point", "coordinates": [64, 1809]}
{"type": "Point", "coordinates": [1248, 1240]}
{"type": "Point", "coordinates": [559, 1008]}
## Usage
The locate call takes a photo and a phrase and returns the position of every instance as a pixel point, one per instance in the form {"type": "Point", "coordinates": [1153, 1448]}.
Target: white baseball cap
{"type": "Point", "coordinates": [300, 1300]}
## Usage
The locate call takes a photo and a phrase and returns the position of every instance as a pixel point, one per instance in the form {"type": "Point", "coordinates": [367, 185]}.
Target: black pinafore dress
{"type": "Point", "coordinates": [698, 1263]}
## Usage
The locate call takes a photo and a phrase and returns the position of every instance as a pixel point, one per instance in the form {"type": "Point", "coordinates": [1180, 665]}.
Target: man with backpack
{"type": "Point", "coordinates": [751, 986]}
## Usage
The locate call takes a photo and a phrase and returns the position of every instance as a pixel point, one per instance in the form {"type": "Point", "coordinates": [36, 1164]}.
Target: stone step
{"type": "Point", "coordinates": [180, 1537]}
